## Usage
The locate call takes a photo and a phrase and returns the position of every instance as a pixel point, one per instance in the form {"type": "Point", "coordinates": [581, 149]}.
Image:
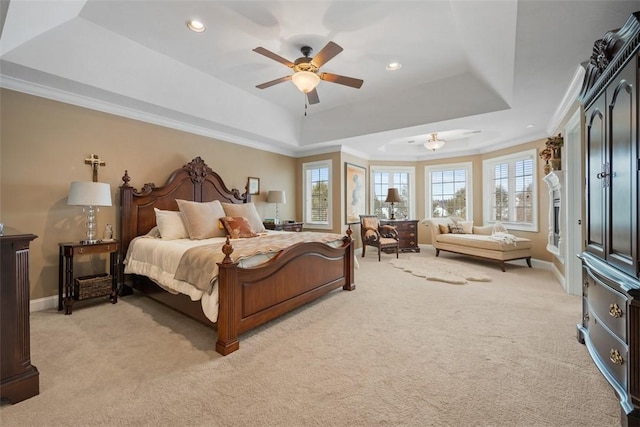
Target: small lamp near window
{"type": "Point", "coordinates": [90, 195]}
{"type": "Point", "coordinates": [393, 197]}
{"type": "Point", "coordinates": [277, 196]}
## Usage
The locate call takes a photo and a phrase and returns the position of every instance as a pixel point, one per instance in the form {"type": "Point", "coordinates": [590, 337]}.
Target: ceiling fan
{"type": "Point", "coordinates": [306, 75]}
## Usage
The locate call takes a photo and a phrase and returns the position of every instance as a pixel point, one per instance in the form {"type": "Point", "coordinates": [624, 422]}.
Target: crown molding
{"type": "Point", "coordinates": [568, 101]}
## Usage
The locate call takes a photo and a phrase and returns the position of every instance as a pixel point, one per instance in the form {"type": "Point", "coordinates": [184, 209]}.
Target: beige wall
{"type": "Point", "coordinates": [43, 145]}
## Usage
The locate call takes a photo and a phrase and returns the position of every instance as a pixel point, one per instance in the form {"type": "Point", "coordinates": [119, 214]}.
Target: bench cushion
{"type": "Point", "coordinates": [483, 242]}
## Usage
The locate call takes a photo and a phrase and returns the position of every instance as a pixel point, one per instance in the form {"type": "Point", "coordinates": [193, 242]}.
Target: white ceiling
{"type": "Point", "coordinates": [477, 72]}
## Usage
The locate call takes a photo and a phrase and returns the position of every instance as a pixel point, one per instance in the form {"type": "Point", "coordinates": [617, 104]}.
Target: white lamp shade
{"type": "Point", "coordinates": [87, 193]}
{"type": "Point", "coordinates": [306, 81]}
{"type": "Point", "coordinates": [276, 196]}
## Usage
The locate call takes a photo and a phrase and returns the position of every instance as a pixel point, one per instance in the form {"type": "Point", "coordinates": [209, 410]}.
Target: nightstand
{"type": "Point", "coordinates": [82, 288]}
{"type": "Point", "coordinates": [285, 226]}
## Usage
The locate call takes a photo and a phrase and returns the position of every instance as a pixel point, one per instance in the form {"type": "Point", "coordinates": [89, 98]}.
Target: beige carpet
{"type": "Point", "coordinates": [440, 270]}
{"type": "Point", "coordinates": [394, 352]}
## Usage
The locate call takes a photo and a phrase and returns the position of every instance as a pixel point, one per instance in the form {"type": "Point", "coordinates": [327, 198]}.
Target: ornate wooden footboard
{"type": "Point", "coordinates": [247, 297]}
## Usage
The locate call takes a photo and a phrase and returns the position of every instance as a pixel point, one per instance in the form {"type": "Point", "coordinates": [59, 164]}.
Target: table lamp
{"type": "Point", "coordinates": [277, 196]}
{"type": "Point", "coordinates": [393, 197]}
{"type": "Point", "coordinates": [89, 195]}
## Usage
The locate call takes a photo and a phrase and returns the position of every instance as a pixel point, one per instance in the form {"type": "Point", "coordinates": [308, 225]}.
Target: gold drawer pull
{"type": "Point", "coordinates": [615, 311]}
{"type": "Point", "coordinates": [81, 250]}
{"type": "Point", "coordinates": [586, 317]}
{"type": "Point", "coordinates": [614, 356]}
{"type": "Point", "coordinates": [586, 284]}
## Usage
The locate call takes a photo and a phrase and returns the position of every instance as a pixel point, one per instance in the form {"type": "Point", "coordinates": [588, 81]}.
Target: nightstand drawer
{"type": "Point", "coordinates": [97, 248]}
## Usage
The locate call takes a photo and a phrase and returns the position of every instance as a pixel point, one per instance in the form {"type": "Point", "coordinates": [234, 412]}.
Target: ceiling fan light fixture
{"type": "Point", "coordinates": [305, 81]}
{"type": "Point", "coordinates": [434, 143]}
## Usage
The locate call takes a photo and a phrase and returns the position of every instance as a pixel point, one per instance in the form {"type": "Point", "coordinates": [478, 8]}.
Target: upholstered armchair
{"type": "Point", "coordinates": [380, 236]}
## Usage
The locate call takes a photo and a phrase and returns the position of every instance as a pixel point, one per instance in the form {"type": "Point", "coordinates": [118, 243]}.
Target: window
{"type": "Point", "coordinates": [317, 194]}
{"type": "Point", "coordinates": [448, 191]}
{"type": "Point", "coordinates": [385, 177]}
{"type": "Point", "coordinates": [510, 191]}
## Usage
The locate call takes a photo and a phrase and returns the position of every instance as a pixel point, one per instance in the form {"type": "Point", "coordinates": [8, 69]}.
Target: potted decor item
{"type": "Point", "coordinates": [545, 154]}
{"type": "Point", "coordinates": [555, 144]}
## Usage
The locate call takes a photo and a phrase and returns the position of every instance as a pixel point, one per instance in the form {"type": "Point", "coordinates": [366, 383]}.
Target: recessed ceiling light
{"type": "Point", "coordinates": [393, 66]}
{"type": "Point", "coordinates": [196, 26]}
{"type": "Point", "coordinates": [530, 126]}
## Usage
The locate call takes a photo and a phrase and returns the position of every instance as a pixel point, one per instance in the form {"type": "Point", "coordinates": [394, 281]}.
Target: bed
{"type": "Point", "coordinates": [247, 296]}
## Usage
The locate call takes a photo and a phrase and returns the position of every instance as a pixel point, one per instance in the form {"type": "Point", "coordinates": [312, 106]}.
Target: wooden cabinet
{"type": "Point", "coordinates": [70, 289]}
{"type": "Point", "coordinates": [610, 326]}
{"type": "Point", "coordinates": [19, 379]}
{"type": "Point", "coordinates": [407, 233]}
{"type": "Point", "coordinates": [285, 226]}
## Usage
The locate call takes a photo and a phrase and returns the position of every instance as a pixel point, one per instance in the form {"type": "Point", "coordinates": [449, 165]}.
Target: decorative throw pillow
{"type": "Point", "coordinates": [467, 226]}
{"type": "Point", "coordinates": [170, 224]}
{"type": "Point", "coordinates": [237, 227]}
{"type": "Point", "coordinates": [485, 230]}
{"type": "Point", "coordinates": [247, 210]}
{"type": "Point", "coordinates": [444, 229]}
{"type": "Point", "coordinates": [201, 218]}
{"type": "Point", "coordinates": [456, 229]}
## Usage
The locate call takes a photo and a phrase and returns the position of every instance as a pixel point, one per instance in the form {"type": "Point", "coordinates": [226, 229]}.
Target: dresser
{"type": "Point", "coordinates": [19, 379]}
{"type": "Point", "coordinates": [407, 233]}
{"type": "Point", "coordinates": [610, 325]}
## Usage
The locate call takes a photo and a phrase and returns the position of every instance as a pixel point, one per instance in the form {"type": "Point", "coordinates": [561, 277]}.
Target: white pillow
{"type": "Point", "coordinates": [247, 210]}
{"type": "Point", "coordinates": [170, 225]}
{"type": "Point", "coordinates": [202, 218]}
{"type": "Point", "coordinates": [467, 226]}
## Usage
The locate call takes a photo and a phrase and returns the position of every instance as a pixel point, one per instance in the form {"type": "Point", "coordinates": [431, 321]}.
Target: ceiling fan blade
{"type": "Point", "coordinates": [313, 97]}
{"type": "Point", "coordinates": [275, 57]}
{"type": "Point", "coordinates": [342, 80]}
{"type": "Point", "coordinates": [273, 82]}
{"type": "Point", "coordinates": [326, 53]}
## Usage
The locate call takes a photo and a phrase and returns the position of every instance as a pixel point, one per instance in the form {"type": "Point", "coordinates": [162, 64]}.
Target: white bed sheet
{"type": "Point", "coordinates": [158, 259]}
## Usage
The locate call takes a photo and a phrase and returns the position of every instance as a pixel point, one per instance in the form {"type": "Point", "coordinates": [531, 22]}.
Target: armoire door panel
{"type": "Point", "coordinates": [621, 241]}
{"type": "Point", "coordinates": [595, 207]}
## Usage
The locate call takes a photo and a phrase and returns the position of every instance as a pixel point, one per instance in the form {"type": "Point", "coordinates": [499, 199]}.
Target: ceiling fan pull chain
{"type": "Point", "coordinates": [305, 105]}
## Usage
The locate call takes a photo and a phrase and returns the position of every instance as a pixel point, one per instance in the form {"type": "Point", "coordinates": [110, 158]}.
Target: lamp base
{"type": "Point", "coordinates": [90, 241]}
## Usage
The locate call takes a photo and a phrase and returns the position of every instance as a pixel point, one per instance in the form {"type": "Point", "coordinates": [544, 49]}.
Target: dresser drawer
{"type": "Point", "coordinates": [609, 305]}
{"type": "Point", "coordinates": [612, 353]}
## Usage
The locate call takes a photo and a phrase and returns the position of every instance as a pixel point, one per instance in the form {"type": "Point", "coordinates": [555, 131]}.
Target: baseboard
{"type": "Point", "coordinates": [42, 304]}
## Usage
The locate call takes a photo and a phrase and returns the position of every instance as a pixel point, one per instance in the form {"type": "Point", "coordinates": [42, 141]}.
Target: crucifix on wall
{"type": "Point", "coordinates": [95, 163]}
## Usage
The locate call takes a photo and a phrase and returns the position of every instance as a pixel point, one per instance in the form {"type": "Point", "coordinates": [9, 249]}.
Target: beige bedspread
{"type": "Point", "coordinates": [199, 267]}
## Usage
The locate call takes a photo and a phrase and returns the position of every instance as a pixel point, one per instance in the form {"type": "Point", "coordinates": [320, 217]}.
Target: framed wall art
{"type": "Point", "coordinates": [253, 185]}
{"type": "Point", "coordinates": [355, 192]}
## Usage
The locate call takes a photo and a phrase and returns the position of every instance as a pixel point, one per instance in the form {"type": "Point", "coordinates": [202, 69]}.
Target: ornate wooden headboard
{"type": "Point", "coordinates": [194, 181]}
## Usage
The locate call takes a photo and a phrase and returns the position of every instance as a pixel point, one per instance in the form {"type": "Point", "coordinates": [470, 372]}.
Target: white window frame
{"type": "Point", "coordinates": [468, 166]}
{"type": "Point", "coordinates": [410, 170]}
{"type": "Point", "coordinates": [306, 200]}
{"type": "Point", "coordinates": [487, 188]}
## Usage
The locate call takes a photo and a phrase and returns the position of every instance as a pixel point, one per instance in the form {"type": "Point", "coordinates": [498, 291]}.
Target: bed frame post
{"type": "Point", "coordinates": [228, 303]}
{"type": "Point", "coordinates": [349, 262]}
